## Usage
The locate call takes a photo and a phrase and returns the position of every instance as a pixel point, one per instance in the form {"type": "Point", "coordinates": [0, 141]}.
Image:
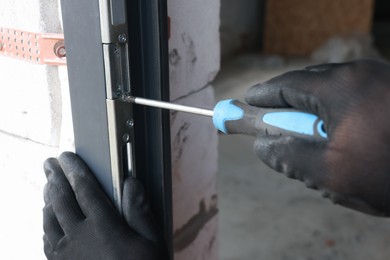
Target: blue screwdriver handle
{"type": "Point", "coordinates": [234, 117]}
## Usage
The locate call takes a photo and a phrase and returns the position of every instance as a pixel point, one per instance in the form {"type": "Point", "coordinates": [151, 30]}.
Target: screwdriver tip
{"type": "Point", "coordinates": [128, 98]}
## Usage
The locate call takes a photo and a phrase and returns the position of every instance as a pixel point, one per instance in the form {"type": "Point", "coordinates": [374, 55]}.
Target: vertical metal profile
{"type": "Point", "coordinates": [116, 47]}
{"type": "Point", "coordinates": [87, 83]}
{"type": "Point", "coordinates": [114, 31]}
{"type": "Point", "coordinates": [148, 49]}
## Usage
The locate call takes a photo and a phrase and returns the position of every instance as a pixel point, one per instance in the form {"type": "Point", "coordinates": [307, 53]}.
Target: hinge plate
{"type": "Point", "coordinates": [114, 38]}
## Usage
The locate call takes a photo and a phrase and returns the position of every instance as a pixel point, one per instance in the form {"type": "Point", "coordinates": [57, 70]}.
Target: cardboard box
{"type": "Point", "coordinates": [297, 27]}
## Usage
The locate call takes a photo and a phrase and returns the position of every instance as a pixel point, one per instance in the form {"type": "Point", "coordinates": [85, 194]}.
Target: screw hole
{"type": "Point", "coordinates": [125, 138]}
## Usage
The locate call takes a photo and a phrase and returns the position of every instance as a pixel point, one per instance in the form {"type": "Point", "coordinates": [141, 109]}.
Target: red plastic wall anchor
{"type": "Point", "coordinates": [39, 48]}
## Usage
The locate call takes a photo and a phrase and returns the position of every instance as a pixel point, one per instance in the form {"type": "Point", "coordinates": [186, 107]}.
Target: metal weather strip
{"type": "Point", "coordinates": [39, 48]}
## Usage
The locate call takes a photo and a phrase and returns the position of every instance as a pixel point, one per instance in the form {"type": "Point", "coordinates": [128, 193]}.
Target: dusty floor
{"type": "Point", "coordinates": [263, 214]}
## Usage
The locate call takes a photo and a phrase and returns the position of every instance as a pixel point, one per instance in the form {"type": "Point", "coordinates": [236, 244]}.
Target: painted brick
{"type": "Point", "coordinates": [194, 58]}
{"type": "Point", "coordinates": [194, 49]}
{"type": "Point", "coordinates": [206, 241]}
{"type": "Point", "coordinates": [35, 119]}
{"type": "Point", "coordinates": [194, 167]}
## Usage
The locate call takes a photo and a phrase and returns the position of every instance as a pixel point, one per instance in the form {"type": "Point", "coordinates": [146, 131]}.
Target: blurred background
{"type": "Point", "coordinates": [263, 214]}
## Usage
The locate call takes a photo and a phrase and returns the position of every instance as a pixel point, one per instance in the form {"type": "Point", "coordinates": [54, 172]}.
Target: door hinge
{"type": "Point", "coordinates": [114, 37]}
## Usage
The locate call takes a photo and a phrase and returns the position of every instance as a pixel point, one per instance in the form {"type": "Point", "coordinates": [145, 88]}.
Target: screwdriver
{"type": "Point", "coordinates": [234, 117]}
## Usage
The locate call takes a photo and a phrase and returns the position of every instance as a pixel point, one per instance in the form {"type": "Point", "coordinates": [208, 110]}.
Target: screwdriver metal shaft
{"type": "Point", "coordinates": [234, 117]}
{"type": "Point", "coordinates": [167, 105]}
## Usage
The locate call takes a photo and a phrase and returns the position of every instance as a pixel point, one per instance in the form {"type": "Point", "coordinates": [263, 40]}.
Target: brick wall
{"type": "Point", "coordinates": [194, 57]}
{"type": "Point", "coordinates": [34, 123]}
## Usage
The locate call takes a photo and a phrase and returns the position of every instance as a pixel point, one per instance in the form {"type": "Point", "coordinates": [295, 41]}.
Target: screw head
{"type": "Point", "coordinates": [116, 50]}
{"type": "Point", "coordinates": [125, 138]}
{"type": "Point", "coordinates": [118, 91]}
{"type": "Point", "coordinates": [59, 49]}
{"type": "Point", "coordinates": [130, 123]}
{"type": "Point", "coordinates": [122, 38]}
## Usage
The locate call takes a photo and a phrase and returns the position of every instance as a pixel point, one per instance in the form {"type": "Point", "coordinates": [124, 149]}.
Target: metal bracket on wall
{"type": "Point", "coordinates": [39, 48]}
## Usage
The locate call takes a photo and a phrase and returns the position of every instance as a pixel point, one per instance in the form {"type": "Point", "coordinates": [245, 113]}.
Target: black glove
{"type": "Point", "coordinates": [352, 167]}
{"type": "Point", "coordinates": [80, 222]}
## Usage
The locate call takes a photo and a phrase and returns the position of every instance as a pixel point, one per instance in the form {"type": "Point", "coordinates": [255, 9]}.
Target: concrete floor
{"type": "Point", "coordinates": [263, 214]}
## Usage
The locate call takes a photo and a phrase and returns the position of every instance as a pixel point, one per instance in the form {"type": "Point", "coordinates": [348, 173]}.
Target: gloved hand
{"type": "Point", "coordinates": [352, 167]}
{"type": "Point", "coordinates": [80, 222]}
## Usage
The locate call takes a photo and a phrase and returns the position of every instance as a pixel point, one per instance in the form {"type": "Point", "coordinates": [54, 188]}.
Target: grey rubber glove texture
{"type": "Point", "coordinates": [352, 167]}
{"type": "Point", "coordinates": [80, 222]}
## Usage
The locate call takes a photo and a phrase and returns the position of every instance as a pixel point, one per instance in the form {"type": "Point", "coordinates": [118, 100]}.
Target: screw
{"type": "Point", "coordinates": [122, 38]}
{"type": "Point", "coordinates": [59, 49]}
{"type": "Point", "coordinates": [125, 138]}
{"type": "Point", "coordinates": [130, 123]}
{"type": "Point", "coordinates": [116, 50]}
{"type": "Point", "coordinates": [118, 91]}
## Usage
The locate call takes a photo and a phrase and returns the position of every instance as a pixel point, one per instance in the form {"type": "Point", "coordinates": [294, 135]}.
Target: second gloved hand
{"type": "Point", "coordinates": [80, 222]}
{"type": "Point", "coordinates": [352, 167]}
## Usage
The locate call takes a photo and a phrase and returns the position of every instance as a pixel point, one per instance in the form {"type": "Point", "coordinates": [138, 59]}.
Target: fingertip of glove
{"type": "Point", "coordinates": [74, 167]}
{"type": "Point", "coordinates": [49, 162]}
{"type": "Point", "coordinates": [263, 145]}
{"type": "Point", "coordinates": [49, 166]}
{"type": "Point", "coordinates": [252, 91]}
{"type": "Point", "coordinates": [133, 186]}
{"type": "Point", "coordinates": [68, 156]}
{"type": "Point", "coordinates": [265, 148]}
{"type": "Point", "coordinates": [257, 93]}
{"type": "Point", "coordinates": [282, 153]}
{"type": "Point", "coordinates": [268, 142]}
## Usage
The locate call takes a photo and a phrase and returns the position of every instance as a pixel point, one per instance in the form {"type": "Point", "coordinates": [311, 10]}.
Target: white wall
{"type": "Point", "coordinates": [34, 122]}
